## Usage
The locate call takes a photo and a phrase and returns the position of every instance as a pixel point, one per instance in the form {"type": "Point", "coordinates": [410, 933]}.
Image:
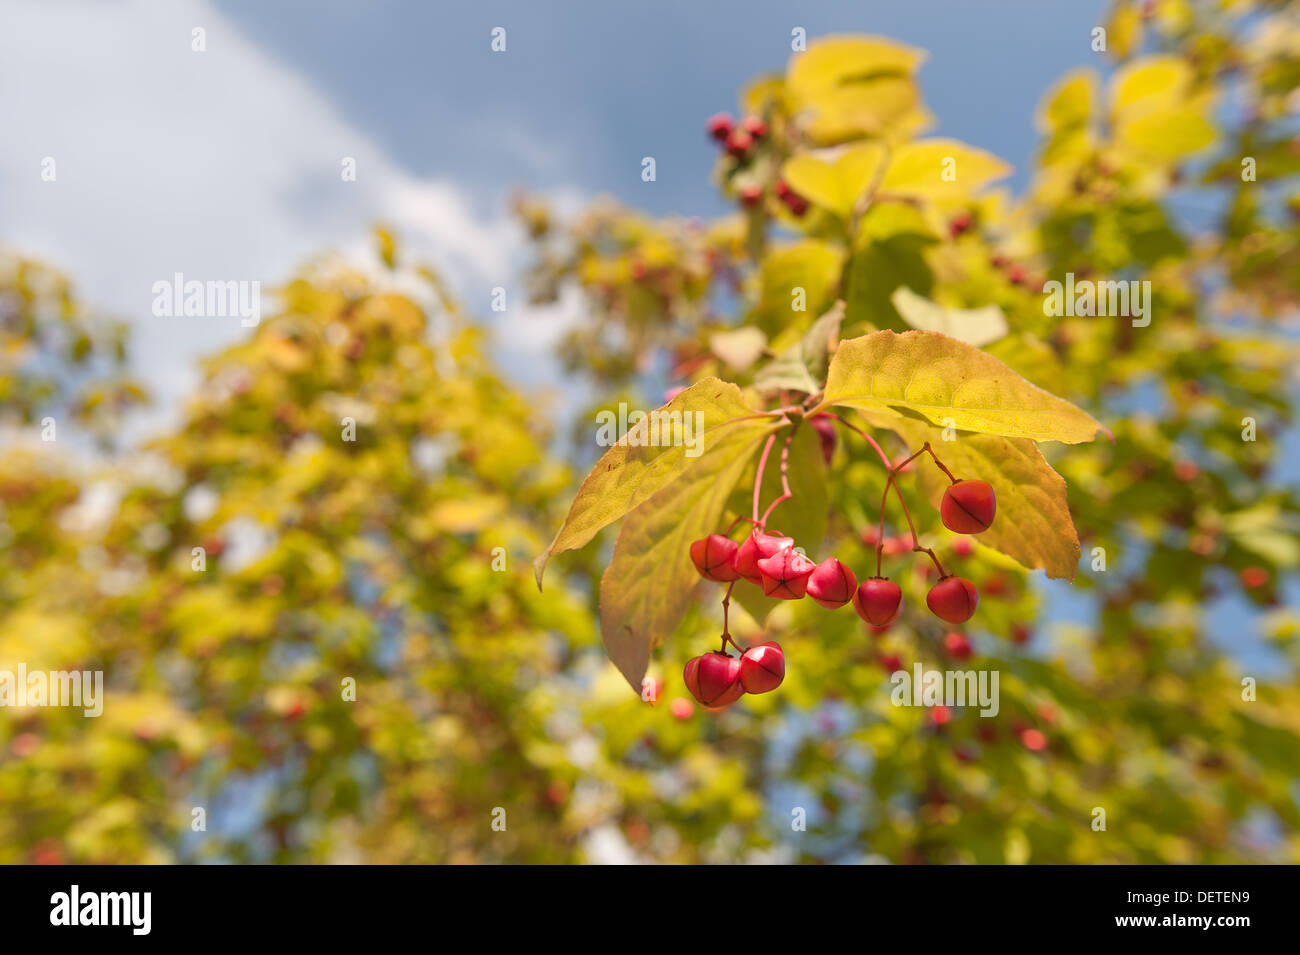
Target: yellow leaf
{"type": "Point", "coordinates": [463, 515]}
{"type": "Point", "coordinates": [1033, 523]}
{"type": "Point", "coordinates": [1069, 102]}
{"type": "Point", "coordinates": [709, 418]}
{"type": "Point", "coordinates": [642, 590]}
{"type": "Point", "coordinates": [836, 60]}
{"type": "Point", "coordinates": [949, 383]}
{"type": "Point", "coordinates": [1168, 134]}
{"type": "Point", "coordinates": [886, 105]}
{"type": "Point", "coordinates": [836, 185]}
{"type": "Point", "coordinates": [941, 168]}
{"type": "Point", "coordinates": [855, 86]}
{"type": "Point", "coordinates": [1152, 82]}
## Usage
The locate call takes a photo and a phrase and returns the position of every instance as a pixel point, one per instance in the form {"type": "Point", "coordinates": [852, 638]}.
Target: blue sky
{"type": "Point", "coordinates": [225, 164]}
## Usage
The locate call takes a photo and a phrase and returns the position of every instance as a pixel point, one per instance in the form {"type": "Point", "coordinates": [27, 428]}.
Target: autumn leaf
{"type": "Point", "coordinates": [917, 169]}
{"type": "Point", "coordinates": [638, 467]}
{"type": "Point", "coordinates": [643, 590]}
{"type": "Point", "coordinates": [837, 184]}
{"type": "Point", "coordinates": [1033, 523]}
{"type": "Point", "coordinates": [949, 383]}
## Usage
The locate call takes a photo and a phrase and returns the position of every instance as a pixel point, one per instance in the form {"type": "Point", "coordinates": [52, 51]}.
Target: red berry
{"type": "Point", "coordinates": [754, 126]}
{"type": "Point", "coordinates": [751, 196]}
{"type": "Point", "coordinates": [940, 715]}
{"type": "Point", "coordinates": [832, 584]}
{"type": "Point", "coordinates": [1020, 633]}
{"type": "Point", "coordinates": [739, 143]}
{"type": "Point", "coordinates": [1253, 577]}
{"type": "Point", "coordinates": [782, 189]}
{"type": "Point", "coordinates": [762, 668]}
{"type": "Point", "coordinates": [796, 203]}
{"type": "Point", "coordinates": [968, 507]}
{"type": "Point", "coordinates": [1016, 274]}
{"type": "Point", "coordinates": [714, 679]}
{"type": "Point", "coordinates": [713, 557]}
{"type": "Point", "coordinates": [962, 547]}
{"type": "Point", "coordinates": [681, 708]}
{"type": "Point", "coordinates": [959, 223]}
{"type": "Point", "coordinates": [785, 574]}
{"type": "Point", "coordinates": [891, 663]}
{"type": "Point", "coordinates": [758, 546]}
{"type": "Point", "coordinates": [825, 428]}
{"type": "Point", "coordinates": [878, 601]}
{"type": "Point", "coordinates": [953, 599]}
{"type": "Point", "coordinates": [1033, 739]}
{"type": "Point", "coordinates": [720, 126]}
{"type": "Point", "coordinates": [956, 646]}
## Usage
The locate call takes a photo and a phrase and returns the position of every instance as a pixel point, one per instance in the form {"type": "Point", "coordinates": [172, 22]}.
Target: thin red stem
{"type": "Point", "coordinates": [884, 498]}
{"type": "Point", "coordinates": [758, 478]}
{"type": "Point", "coordinates": [786, 494]}
{"type": "Point", "coordinates": [866, 437]}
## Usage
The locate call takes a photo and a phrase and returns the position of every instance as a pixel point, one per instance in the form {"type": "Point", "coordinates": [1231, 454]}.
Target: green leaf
{"type": "Point", "coordinates": [634, 470]}
{"type": "Point", "coordinates": [949, 383]}
{"type": "Point", "coordinates": [641, 591]}
{"type": "Point", "coordinates": [880, 267]}
{"type": "Point", "coordinates": [802, 366]}
{"type": "Point", "coordinates": [810, 265]}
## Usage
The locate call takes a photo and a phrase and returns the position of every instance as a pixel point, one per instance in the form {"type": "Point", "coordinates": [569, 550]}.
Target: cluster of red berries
{"type": "Point", "coordinates": [740, 141]}
{"type": "Point", "coordinates": [771, 561]}
{"type": "Point", "coordinates": [718, 679]}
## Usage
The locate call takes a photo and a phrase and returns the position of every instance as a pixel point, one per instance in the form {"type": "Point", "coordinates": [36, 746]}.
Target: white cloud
{"type": "Point", "coordinates": [223, 164]}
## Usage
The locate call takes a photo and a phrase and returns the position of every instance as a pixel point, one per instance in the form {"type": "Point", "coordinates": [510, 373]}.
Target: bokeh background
{"type": "Point", "coordinates": [374, 560]}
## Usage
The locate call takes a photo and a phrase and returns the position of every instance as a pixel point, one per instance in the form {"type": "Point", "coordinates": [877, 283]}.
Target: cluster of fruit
{"type": "Point", "coordinates": [741, 140]}
{"type": "Point", "coordinates": [772, 561]}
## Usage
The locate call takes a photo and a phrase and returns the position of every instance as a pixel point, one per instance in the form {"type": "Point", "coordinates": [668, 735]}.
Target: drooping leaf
{"type": "Point", "coordinates": [949, 382]}
{"type": "Point", "coordinates": [643, 592]}
{"type": "Point", "coordinates": [635, 469]}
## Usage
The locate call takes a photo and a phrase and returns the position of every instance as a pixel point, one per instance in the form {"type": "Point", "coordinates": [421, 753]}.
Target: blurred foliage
{"type": "Point", "coordinates": [399, 560]}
